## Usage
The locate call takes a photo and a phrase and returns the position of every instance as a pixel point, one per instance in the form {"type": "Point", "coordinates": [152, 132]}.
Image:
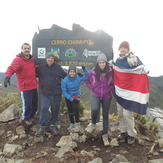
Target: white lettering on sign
{"type": "Point", "coordinates": [88, 53]}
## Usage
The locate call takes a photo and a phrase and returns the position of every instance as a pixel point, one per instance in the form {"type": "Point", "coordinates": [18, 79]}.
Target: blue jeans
{"type": "Point", "coordinates": [49, 109]}
{"type": "Point", "coordinates": [95, 110]}
{"type": "Point", "coordinates": [29, 103]}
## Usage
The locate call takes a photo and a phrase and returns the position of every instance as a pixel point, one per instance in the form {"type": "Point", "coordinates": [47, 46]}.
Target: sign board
{"type": "Point", "coordinates": [77, 47]}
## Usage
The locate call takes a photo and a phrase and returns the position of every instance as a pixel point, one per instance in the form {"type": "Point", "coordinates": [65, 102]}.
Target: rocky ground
{"type": "Point", "coordinates": [43, 149]}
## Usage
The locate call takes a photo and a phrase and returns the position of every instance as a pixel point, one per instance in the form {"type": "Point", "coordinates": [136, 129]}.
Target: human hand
{"type": "Point", "coordinates": [110, 63]}
{"type": "Point", "coordinates": [146, 70]}
{"type": "Point", "coordinates": [7, 80]}
{"type": "Point", "coordinates": [83, 67]}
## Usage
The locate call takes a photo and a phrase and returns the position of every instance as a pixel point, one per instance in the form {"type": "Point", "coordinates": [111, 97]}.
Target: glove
{"type": "Point", "coordinates": [7, 80]}
{"type": "Point", "coordinates": [83, 67]}
{"type": "Point", "coordinates": [75, 100]}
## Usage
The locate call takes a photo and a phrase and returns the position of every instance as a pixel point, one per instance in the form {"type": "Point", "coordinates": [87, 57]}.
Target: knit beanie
{"type": "Point", "coordinates": [124, 44]}
{"type": "Point", "coordinates": [102, 57]}
{"type": "Point", "coordinates": [72, 67]}
{"type": "Point", "coordinates": [50, 54]}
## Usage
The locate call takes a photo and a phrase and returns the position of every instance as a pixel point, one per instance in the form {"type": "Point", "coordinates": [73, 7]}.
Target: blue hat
{"type": "Point", "coordinates": [72, 67]}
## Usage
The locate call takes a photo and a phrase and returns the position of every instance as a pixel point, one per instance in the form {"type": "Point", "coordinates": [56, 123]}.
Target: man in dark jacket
{"type": "Point", "coordinates": [50, 75]}
{"type": "Point", "coordinates": [24, 68]}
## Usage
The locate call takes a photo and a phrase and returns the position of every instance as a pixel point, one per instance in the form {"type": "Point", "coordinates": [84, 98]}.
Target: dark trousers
{"type": "Point", "coordinates": [29, 103]}
{"type": "Point", "coordinates": [49, 111]}
{"type": "Point", "coordinates": [95, 110]}
{"type": "Point", "coordinates": [73, 111]}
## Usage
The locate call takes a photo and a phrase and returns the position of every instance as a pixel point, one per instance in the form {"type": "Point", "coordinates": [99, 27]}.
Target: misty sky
{"type": "Point", "coordinates": [137, 21]}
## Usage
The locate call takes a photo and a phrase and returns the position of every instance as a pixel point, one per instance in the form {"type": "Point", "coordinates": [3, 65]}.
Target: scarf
{"type": "Point", "coordinates": [131, 59]}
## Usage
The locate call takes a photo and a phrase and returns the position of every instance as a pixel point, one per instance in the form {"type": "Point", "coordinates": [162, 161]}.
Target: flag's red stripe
{"type": "Point", "coordinates": [131, 81]}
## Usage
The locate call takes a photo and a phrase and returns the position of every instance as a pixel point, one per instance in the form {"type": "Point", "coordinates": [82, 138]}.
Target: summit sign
{"type": "Point", "coordinates": [77, 47]}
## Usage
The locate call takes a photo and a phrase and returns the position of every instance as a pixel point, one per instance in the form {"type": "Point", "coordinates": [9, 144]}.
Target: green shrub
{"type": "Point", "coordinates": [141, 118]}
{"type": "Point", "coordinates": [15, 98]}
{"type": "Point", "coordinates": [113, 117]}
{"type": "Point", "coordinates": [154, 127]}
{"type": "Point", "coordinates": [64, 110]}
{"type": "Point", "coordinates": [63, 106]}
{"type": "Point", "coordinates": [81, 107]}
{"type": "Point", "coordinates": [7, 99]}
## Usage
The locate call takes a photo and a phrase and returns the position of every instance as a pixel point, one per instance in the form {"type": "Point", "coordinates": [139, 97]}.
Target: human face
{"type": "Point", "coordinates": [72, 73]}
{"type": "Point", "coordinates": [123, 51]}
{"type": "Point", "coordinates": [26, 49]}
{"type": "Point", "coordinates": [50, 61]}
{"type": "Point", "coordinates": [102, 64]}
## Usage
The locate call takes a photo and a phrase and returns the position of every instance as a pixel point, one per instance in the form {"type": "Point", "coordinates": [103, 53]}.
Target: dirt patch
{"type": "Point", "coordinates": [135, 153]}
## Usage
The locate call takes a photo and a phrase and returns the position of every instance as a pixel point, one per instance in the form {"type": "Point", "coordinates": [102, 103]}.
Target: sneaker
{"type": "Point", "coordinates": [72, 125]}
{"type": "Point", "coordinates": [90, 128]}
{"type": "Point", "coordinates": [53, 130]}
{"type": "Point", "coordinates": [41, 131]}
{"type": "Point", "coordinates": [130, 140]}
{"type": "Point", "coordinates": [122, 136]}
{"type": "Point", "coordinates": [105, 140]}
{"type": "Point", "coordinates": [77, 127]}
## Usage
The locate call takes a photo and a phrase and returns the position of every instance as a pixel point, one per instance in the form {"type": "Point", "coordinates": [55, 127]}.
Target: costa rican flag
{"type": "Point", "coordinates": [132, 88]}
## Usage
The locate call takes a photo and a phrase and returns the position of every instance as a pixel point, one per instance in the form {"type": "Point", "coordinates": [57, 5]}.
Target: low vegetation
{"type": "Point", "coordinates": [154, 127]}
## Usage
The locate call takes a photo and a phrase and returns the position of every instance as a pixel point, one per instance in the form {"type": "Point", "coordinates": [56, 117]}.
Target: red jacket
{"type": "Point", "coordinates": [25, 72]}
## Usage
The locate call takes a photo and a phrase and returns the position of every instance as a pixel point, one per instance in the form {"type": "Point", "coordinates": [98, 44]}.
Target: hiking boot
{"type": "Point", "coordinates": [90, 128]}
{"type": "Point", "coordinates": [33, 120]}
{"type": "Point", "coordinates": [24, 122]}
{"type": "Point", "coordinates": [122, 136]}
{"type": "Point", "coordinates": [130, 140]}
{"type": "Point", "coordinates": [53, 130]}
{"type": "Point", "coordinates": [72, 125]}
{"type": "Point", "coordinates": [28, 122]}
{"type": "Point", "coordinates": [105, 140]}
{"type": "Point", "coordinates": [77, 127]}
{"type": "Point", "coordinates": [41, 131]}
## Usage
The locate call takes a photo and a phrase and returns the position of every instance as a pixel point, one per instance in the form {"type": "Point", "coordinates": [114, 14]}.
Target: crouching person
{"type": "Point", "coordinates": [50, 75]}
{"type": "Point", "coordinates": [71, 92]}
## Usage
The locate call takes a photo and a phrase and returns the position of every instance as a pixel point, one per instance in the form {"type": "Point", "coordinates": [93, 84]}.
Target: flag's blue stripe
{"type": "Point", "coordinates": [132, 105]}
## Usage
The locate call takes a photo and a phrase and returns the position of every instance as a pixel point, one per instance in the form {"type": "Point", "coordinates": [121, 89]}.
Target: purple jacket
{"type": "Point", "coordinates": [101, 88]}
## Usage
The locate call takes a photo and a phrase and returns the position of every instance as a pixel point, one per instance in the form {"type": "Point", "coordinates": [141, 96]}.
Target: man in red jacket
{"type": "Point", "coordinates": [24, 68]}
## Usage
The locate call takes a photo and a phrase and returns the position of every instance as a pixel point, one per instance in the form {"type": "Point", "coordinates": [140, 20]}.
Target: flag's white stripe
{"type": "Point", "coordinates": [137, 70]}
{"type": "Point", "coordinates": [139, 97]}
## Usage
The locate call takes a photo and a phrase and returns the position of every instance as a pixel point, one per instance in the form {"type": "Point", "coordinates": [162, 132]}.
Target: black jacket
{"type": "Point", "coordinates": [50, 79]}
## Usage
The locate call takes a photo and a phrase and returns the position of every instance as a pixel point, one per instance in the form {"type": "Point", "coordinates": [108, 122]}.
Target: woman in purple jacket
{"type": "Point", "coordinates": [100, 81]}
